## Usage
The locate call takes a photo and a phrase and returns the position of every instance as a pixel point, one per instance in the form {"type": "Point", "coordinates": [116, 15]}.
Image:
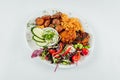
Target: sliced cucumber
{"type": "Point", "coordinates": [47, 40]}
{"type": "Point", "coordinates": [35, 38]}
{"type": "Point", "coordinates": [41, 44]}
{"type": "Point", "coordinates": [37, 32]}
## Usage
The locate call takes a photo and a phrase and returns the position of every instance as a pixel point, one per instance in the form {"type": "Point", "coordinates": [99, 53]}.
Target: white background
{"type": "Point", "coordinates": [15, 61]}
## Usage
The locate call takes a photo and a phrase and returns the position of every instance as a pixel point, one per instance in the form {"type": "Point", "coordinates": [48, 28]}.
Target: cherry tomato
{"type": "Point", "coordinates": [85, 51]}
{"type": "Point", "coordinates": [76, 57]}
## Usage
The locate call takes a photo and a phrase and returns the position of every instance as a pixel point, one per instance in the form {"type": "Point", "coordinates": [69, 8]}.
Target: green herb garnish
{"type": "Point", "coordinates": [48, 35]}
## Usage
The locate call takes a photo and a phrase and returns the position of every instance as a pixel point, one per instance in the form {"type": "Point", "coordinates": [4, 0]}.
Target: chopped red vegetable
{"type": "Point", "coordinates": [52, 51]}
{"type": "Point", "coordinates": [46, 58]}
{"type": "Point", "coordinates": [67, 51]}
{"type": "Point", "coordinates": [60, 49]}
{"type": "Point", "coordinates": [85, 51]}
{"type": "Point", "coordinates": [76, 57]}
{"type": "Point", "coordinates": [36, 53]}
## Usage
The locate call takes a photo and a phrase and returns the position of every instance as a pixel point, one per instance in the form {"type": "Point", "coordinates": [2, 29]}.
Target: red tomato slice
{"type": "Point", "coordinates": [85, 51]}
{"type": "Point", "coordinates": [76, 57]}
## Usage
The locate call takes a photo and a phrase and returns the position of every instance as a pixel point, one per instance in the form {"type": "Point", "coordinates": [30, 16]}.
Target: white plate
{"type": "Point", "coordinates": [33, 45]}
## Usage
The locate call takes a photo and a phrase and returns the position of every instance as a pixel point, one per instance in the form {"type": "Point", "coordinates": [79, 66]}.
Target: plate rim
{"type": "Point", "coordinates": [81, 19]}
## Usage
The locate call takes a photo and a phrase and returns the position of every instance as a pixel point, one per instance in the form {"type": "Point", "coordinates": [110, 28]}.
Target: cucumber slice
{"type": "Point", "coordinates": [35, 38]}
{"type": "Point", "coordinates": [41, 44]}
{"type": "Point", "coordinates": [42, 40]}
{"type": "Point", "coordinates": [37, 32]}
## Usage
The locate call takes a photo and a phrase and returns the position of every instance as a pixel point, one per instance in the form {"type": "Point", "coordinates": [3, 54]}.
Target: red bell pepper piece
{"type": "Point", "coordinates": [54, 52]}
{"type": "Point", "coordinates": [60, 50]}
{"type": "Point", "coordinates": [67, 51]}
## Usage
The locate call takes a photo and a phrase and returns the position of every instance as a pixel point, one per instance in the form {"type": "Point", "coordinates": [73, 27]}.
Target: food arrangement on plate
{"type": "Point", "coordinates": [61, 39]}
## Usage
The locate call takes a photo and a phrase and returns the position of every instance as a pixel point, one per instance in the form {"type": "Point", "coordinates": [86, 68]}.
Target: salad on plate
{"type": "Point", "coordinates": [60, 39]}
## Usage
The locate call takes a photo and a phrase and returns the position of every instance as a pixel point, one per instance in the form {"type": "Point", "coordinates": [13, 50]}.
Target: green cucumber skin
{"type": "Point", "coordinates": [32, 30]}
{"type": "Point", "coordinates": [34, 33]}
{"type": "Point", "coordinates": [37, 40]}
{"type": "Point", "coordinates": [41, 44]}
